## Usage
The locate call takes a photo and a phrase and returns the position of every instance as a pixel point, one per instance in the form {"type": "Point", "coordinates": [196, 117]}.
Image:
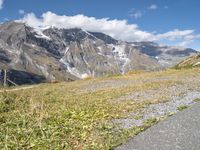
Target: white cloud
{"type": "Point", "coordinates": [175, 34]}
{"type": "Point", "coordinates": [1, 4]}
{"type": "Point", "coordinates": [119, 29]}
{"type": "Point", "coordinates": [136, 15]}
{"type": "Point", "coordinates": [152, 7]}
{"type": "Point", "coordinates": [185, 43]}
{"type": "Point", "coordinates": [21, 12]}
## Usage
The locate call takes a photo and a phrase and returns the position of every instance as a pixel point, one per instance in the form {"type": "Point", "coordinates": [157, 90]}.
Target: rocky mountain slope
{"type": "Point", "coordinates": [70, 54]}
{"type": "Point", "coordinates": [193, 61]}
{"type": "Point", "coordinates": [167, 56]}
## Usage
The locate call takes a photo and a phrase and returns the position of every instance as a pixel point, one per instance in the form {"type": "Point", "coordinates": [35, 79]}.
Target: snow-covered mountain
{"type": "Point", "coordinates": [70, 54]}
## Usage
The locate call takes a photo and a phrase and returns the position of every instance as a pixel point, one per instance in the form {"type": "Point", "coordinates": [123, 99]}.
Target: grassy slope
{"type": "Point", "coordinates": [189, 63]}
{"type": "Point", "coordinates": [78, 115]}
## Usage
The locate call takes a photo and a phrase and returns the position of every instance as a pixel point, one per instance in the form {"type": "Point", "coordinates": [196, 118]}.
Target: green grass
{"type": "Point", "coordinates": [67, 116]}
{"type": "Point", "coordinates": [182, 107]}
{"type": "Point", "coordinates": [150, 122]}
{"type": "Point", "coordinates": [137, 117]}
{"type": "Point", "coordinates": [197, 100]}
{"type": "Point", "coordinates": [189, 66]}
{"type": "Point", "coordinates": [60, 118]}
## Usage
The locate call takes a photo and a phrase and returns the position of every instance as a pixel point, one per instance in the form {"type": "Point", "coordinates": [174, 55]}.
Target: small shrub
{"type": "Point", "coordinates": [150, 122]}
{"type": "Point", "coordinates": [137, 117]}
{"type": "Point", "coordinates": [180, 108]}
{"type": "Point", "coordinates": [197, 100]}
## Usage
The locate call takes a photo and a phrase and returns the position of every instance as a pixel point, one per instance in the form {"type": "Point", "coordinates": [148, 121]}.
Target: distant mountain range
{"type": "Point", "coordinates": [70, 54]}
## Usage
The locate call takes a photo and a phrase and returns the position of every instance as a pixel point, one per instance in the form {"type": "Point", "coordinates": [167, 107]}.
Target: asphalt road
{"type": "Point", "coordinates": [179, 132]}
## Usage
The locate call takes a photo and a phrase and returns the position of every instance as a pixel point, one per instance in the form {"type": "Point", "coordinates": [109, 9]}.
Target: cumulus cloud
{"type": "Point", "coordinates": [152, 7]}
{"type": "Point", "coordinates": [1, 4]}
{"type": "Point", "coordinates": [119, 29]}
{"type": "Point", "coordinates": [175, 34]}
{"type": "Point", "coordinates": [185, 37]}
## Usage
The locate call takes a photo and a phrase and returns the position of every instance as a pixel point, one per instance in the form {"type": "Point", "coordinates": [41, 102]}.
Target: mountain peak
{"type": "Point", "coordinates": [106, 38]}
{"type": "Point", "coordinates": [63, 54]}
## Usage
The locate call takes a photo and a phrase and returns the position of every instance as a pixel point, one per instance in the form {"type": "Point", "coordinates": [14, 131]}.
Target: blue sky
{"type": "Point", "coordinates": [159, 20]}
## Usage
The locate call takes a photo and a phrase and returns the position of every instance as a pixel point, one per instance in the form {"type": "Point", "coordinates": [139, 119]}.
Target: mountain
{"type": "Point", "coordinates": [166, 56]}
{"type": "Point", "coordinates": [71, 54]}
{"type": "Point", "coordinates": [193, 61]}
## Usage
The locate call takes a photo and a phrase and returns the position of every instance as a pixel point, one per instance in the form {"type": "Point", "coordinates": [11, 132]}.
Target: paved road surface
{"type": "Point", "coordinates": [179, 132]}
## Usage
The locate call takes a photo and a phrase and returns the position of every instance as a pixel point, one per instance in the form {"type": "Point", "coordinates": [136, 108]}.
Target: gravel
{"type": "Point", "coordinates": [159, 110]}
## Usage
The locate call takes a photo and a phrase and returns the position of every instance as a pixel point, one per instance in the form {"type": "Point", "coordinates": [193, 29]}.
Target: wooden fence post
{"type": "Point", "coordinates": [5, 78]}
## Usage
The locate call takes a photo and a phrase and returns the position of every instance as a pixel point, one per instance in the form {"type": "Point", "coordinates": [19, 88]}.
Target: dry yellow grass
{"type": "Point", "coordinates": [78, 115]}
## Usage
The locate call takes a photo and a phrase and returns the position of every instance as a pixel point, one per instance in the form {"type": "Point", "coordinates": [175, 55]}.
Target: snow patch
{"type": "Point", "coordinates": [100, 54]}
{"type": "Point", "coordinates": [119, 53]}
{"type": "Point", "coordinates": [67, 49]}
{"type": "Point", "coordinates": [85, 75]}
{"type": "Point", "coordinates": [40, 34]}
{"type": "Point", "coordinates": [73, 70]}
{"type": "Point", "coordinates": [99, 47]}
{"type": "Point", "coordinates": [32, 45]}
{"type": "Point", "coordinates": [89, 33]}
{"type": "Point", "coordinates": [100, 51]}
{"type": "Point", "coordinates": [81, 46]}
{"type": "Point", "coordinates": [133, 45]}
